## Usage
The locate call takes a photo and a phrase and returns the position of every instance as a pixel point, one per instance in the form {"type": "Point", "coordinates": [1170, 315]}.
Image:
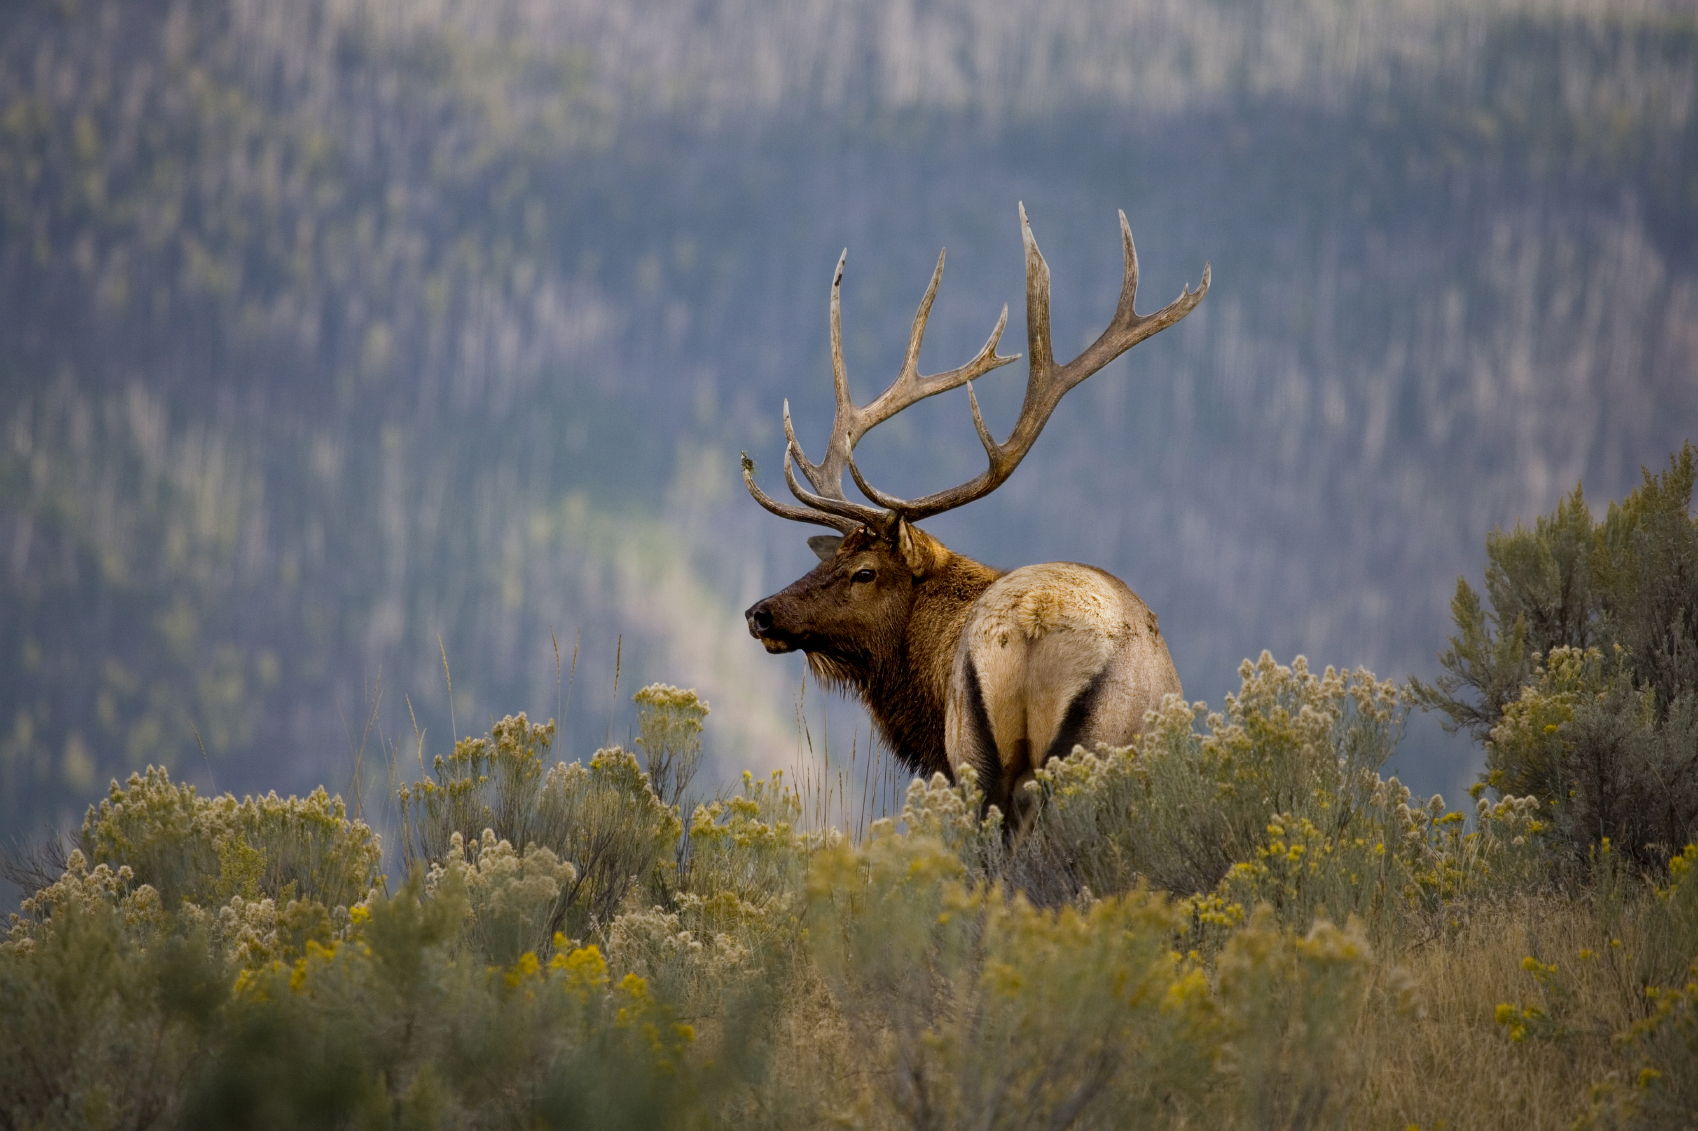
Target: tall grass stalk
{"type": "Point", "coordinates": [846, 795]}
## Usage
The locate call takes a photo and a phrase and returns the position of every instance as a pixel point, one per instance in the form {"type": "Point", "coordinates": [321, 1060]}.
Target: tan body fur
{"type": "Point", "coordinates": [1051, 656]}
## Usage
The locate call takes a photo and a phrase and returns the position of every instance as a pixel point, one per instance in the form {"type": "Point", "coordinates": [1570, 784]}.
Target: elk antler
{"type": "Point", "coordinates": [1046, 384]}
{"type": "Point", "coordinates": [826, 503]}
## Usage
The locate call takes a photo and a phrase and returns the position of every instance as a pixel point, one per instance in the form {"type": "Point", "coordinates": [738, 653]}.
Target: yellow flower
{"type": "Point", "coordinates": [245, 982]}
{"type": "Point", "coordinates": [1003, 978]}
{"type": "Point", "coordinates": [1193, 986]}
{"type": "Point", "coordinates": [585, 969]}
{"type": "Point", "coordinates": [526, 967]}
{"type": "Point", "coordinates": [637, 990]}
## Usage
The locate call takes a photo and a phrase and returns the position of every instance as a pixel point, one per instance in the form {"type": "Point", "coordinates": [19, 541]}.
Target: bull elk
{"type": "Point", "coordinates": [960, 664]}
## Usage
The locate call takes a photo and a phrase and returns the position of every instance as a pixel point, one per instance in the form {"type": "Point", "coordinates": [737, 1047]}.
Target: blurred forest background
{"type": "Point", "coordinates": [330, 329]}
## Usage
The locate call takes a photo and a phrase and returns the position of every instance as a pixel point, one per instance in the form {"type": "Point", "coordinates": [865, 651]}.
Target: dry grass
{"type": "Point", "coordinates": [1450, 1063]}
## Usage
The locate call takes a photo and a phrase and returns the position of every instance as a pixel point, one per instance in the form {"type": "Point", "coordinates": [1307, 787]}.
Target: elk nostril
{"type": "Point", "coordinates": [759, 619]}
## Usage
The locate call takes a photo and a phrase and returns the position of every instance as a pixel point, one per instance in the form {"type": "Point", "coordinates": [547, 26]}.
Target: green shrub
{"type": "Point", "coordinates": [404, 1022]}
{"type": "Point", "coordinates": [516, 899]}
{"type": "Point", "coordinates": [203, 850]}
{"type": "Point", "coordinates": [105, 1006]}
{"type": "Point", "coordinates": [669, 733]}
{"type": "Point", "coordinates": [1276, 801]}
{"type": "Point", "coordinates": [1180, 808]}
{"type": "Point", "coordinates": [1582, 678]}
{"type": "Point", "coordinates": [984, 1011]}
{"type": "Point", "coordinates": [604, 821]}
{"type": "Point", "coordinates": [121, 1012]}
{"type": "Point", "coordinates": [728, 944]}
{"type": "Point", "coordinates": [1590, 745]}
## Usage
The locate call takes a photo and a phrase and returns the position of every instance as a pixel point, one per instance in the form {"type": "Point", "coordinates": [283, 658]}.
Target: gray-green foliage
{"type": "Point", "coordinates": [199, 849]}
{"type": "Point", "coordinates": [599, 828]}
{"type": "Point", "coordinates": [105, 1004]}
{"type": "Point", "coordinates": [1582, 676]}
{"type": "Point", "coordinates": [669, 731]}
{"type": "Point", "coordinates": [403, 1024]}
{"type": "Point", "coordinates": [992, 1013]}
{"type": "Point", "coordinates": [243, 1000]}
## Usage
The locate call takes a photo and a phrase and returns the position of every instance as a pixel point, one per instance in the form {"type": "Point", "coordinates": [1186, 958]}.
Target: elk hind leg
{"type": "Point", "coordinates": [997, 769]}
{"type": "Point", "coordinates": [1076, 725]}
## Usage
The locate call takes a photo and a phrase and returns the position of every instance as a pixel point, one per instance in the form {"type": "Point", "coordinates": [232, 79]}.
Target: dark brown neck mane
{"type": "Point", "coordinates": [904, 681]}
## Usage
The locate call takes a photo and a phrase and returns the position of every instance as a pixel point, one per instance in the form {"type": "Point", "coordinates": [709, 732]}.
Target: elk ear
{"type": "Point", "coordinates": [825, 546]}
{"type": "Point", "coordinates": [919, 550]}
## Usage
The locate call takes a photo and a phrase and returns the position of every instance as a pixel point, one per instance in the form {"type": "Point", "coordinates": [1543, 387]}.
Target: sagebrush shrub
{"type": "Point", "coordinates": [1180, 807]}
{"type": "Point", "coordinates": [199, 848]}
{"type": "Point", "coordinates": [988, 1011]}
{"type": "Point", "coordinates": [669, 733]}
{"type": "Point", "coordinates": [1590, 745]}
{"type": "Point", "coordinates": [106, 1002]}
{"type": "Point", "coordinates": [603, 819]}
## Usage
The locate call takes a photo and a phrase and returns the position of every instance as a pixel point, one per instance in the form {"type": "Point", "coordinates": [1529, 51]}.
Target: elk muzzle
{"type": "Point", "coordinates": [762, 628]}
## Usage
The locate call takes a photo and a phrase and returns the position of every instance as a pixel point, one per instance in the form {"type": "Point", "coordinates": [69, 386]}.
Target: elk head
{"type": "Point", "coordinates": [856, 601]}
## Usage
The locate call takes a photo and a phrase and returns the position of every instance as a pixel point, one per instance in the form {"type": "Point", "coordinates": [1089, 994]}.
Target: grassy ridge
{"type": "Point", "coordinates": [1329, 952]}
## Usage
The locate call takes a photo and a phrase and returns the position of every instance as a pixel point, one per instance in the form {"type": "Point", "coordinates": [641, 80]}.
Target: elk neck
{"type": "Point", "coordinates": [905, 684]}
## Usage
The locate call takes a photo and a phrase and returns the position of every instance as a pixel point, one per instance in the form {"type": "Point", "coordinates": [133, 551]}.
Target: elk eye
{"type": "Point", "coordinates": [862, 575]}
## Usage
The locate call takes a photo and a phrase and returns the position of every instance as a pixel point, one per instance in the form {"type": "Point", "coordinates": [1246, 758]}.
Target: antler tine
{"type": "Point", "coordinates": [784, 510]}
{"type": "Point", "coordinates": [1127, 329]}
{"type": "Point", "coordinates": [1037, 309]}
{"type": "Point", "coordinates": [909, 387]}
{"type": "Point", "coordinates": [911, 360]}
{"type": "Point", "coordinates": [979, 423]}
{"type": "Point", "coordinates": [820, 474]}
{"type": "Point", "coordinates": [1046, 382]}
{"type": "Point", "coordinates": [1124, 309]}
{"type": "Point", "coordinates": [792, 444]}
